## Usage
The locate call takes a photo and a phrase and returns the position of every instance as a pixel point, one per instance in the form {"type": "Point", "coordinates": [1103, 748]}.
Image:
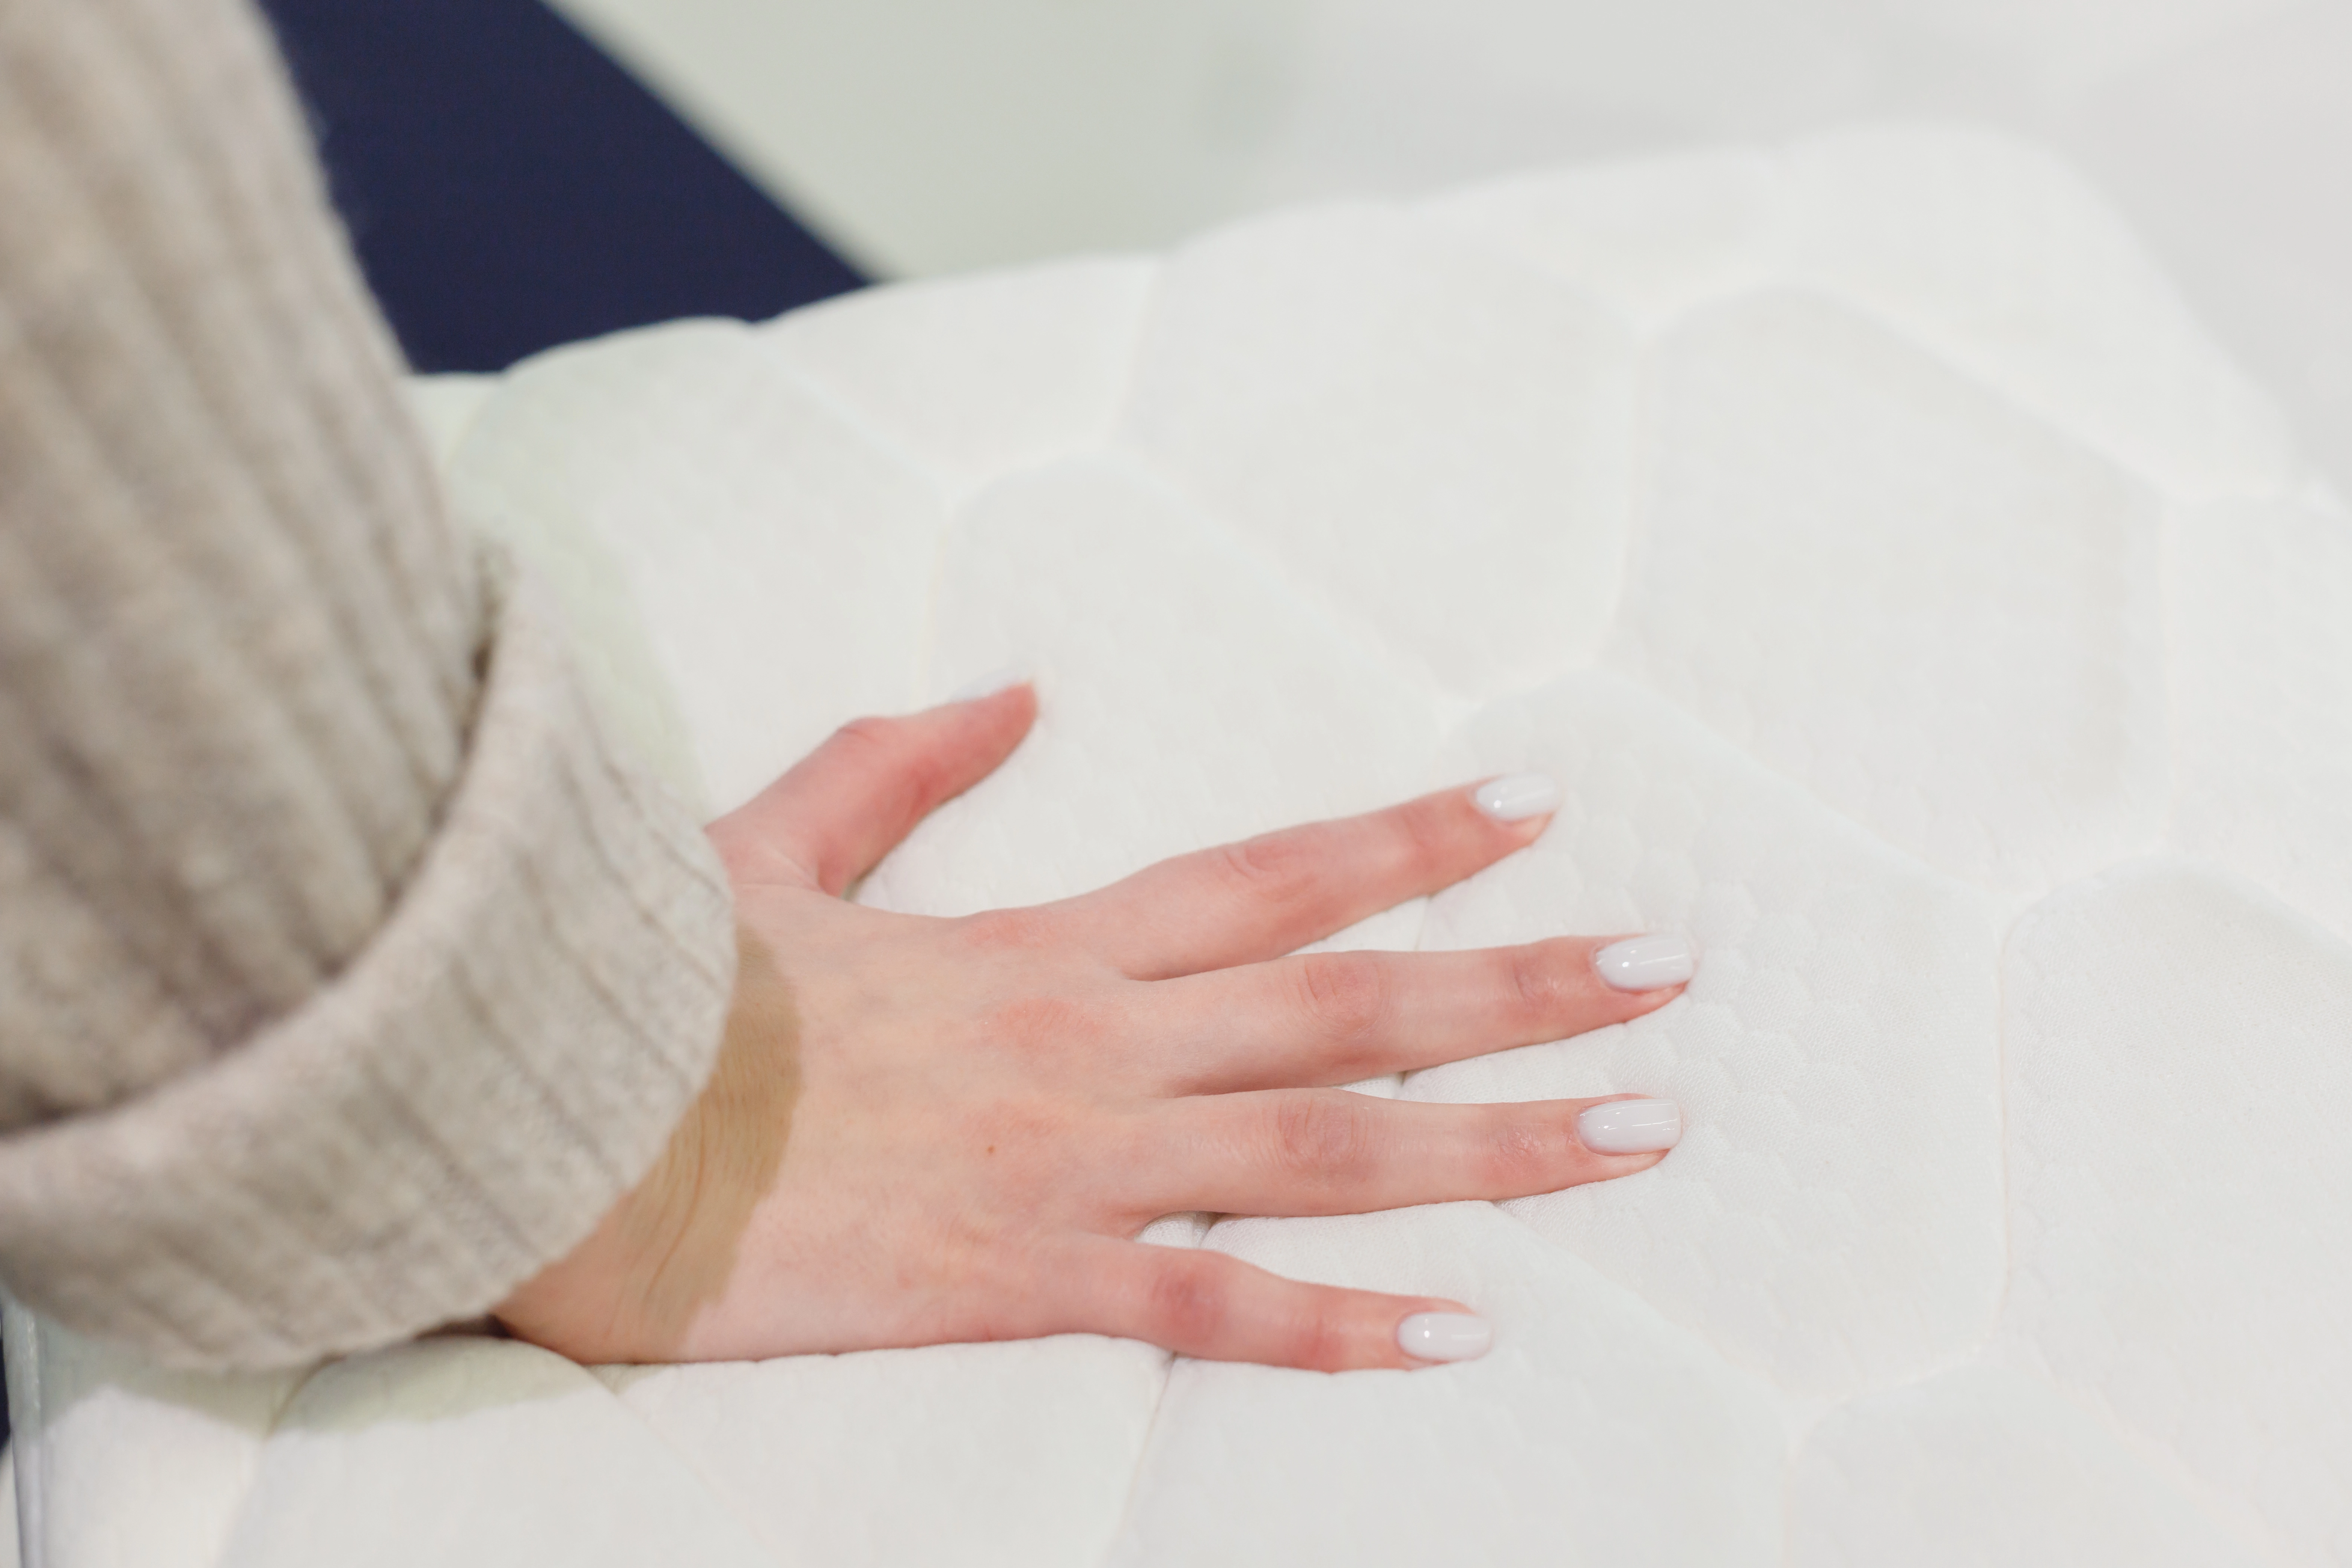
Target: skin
{"type": "Point", "coordinates": [927, 1131]}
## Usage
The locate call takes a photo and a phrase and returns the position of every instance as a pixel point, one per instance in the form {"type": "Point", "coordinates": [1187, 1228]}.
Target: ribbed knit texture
{"type": "Point", "coordinates": [346, 975]}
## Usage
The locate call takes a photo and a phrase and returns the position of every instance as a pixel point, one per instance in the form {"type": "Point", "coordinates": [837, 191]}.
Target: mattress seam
{"type": "Point", "coordinates": [1143, 1452]}
{"type": "Point", "coordinates": [244, 1508]}
{"type": "Point", "coordinates": [1349, 632]}
{"type": "Point", "coordinates": [710, 1488]}
{"type": "Point", "coordinates": [2054, 415]}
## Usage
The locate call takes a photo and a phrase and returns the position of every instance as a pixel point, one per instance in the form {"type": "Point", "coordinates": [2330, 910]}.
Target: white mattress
{"type": "Point", "coordinates": [1918, 611]}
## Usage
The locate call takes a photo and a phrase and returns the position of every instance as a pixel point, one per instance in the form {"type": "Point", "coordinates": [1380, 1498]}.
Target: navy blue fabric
{"type": "Point", "coordinates": [510, 188]}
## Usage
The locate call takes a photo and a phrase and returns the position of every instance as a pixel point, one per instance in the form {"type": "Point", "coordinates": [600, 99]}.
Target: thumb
{"type": "Point", "coordinates": [840, 809]}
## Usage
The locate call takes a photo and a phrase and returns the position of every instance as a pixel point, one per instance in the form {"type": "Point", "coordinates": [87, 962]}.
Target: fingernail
{"type": "Point", "coordinates": [989, 685]}
{"type": "Point", "coordinates": [1517, 797]}
{"type": "Point", "coordinates": [1444, 1336]}
{"type": "Point", "coordinates": [1647, 963]}
{"type": "Point", "coordinates": [1630, 1126]}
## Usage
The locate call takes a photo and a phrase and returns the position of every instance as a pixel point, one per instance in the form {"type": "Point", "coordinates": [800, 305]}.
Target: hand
{"type": "Point", "coordinates": [922, 1130]}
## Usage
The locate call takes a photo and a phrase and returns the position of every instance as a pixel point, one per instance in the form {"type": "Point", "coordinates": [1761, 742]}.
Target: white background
{"type": "Point", "coordinates": [929, 136]}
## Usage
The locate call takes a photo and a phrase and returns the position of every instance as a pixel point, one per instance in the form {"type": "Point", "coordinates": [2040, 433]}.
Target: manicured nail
{"type": "Point", "coordinates": [1647, 963]}
{"type": "Point", "coordinates": [989, 685]}
{"type": "Point", "coordinates": [1517, 797]}
{"type": "Point", "coordinates": [1444, 1336]}
{"type": "Point", "coordinates": [1630, 1126]}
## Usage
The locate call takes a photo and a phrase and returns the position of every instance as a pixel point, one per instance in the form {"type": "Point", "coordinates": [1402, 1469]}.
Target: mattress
{"type": "Point", "coordinates": [1917, 610]}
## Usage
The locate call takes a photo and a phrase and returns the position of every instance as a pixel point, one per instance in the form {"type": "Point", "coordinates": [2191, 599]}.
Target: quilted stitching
{"type": "Point", "coordinates": [1875, 549]}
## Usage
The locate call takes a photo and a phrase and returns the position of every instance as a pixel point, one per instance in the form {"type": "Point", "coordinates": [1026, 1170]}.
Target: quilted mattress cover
{"type": "Point", "coordinates": [1917, 610]}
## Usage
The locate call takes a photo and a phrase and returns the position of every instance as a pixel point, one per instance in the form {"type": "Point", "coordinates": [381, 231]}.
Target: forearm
{"type": "Point", "coordinates": [345, 976]}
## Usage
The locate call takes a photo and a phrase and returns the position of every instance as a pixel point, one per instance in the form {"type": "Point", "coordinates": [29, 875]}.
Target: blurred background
{"type": "Point", "coordinates": [889, 139]}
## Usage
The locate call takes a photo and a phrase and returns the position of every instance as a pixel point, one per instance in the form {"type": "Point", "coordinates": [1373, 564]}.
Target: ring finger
{"type": "Point", "coordinates": [1325, 1152]}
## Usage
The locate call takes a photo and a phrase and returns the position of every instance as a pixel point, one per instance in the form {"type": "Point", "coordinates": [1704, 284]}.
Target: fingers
{"type": "Point", "coordinates": [847, 804]}
{"type": "Point", "coordinates": [1336, 1017]}
{"type": "Point", "coordinates": [1267, 896]}
{"type": "Point", "coordinates": [1323, 1151]}
{"type": "Point", "coordinates": [1217, 1308]}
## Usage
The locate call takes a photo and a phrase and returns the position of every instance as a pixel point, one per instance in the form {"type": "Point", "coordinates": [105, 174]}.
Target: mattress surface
{"type": "Point", "coordinates": [1917, 609]}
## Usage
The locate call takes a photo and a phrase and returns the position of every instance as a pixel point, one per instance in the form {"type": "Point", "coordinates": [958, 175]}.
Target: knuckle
{"type": "Point", "coordinates": [1324, 1139]}
{"type": "Point", "coordinates": [1009, 930]}
{"type": "Point", "coordinates": [1424, 834]}
{"type": "Point", "coordinates": [891, 747]}
{"type": "Point", "coordinates": [871, 736]}
{"type": "Point", "coordinates": [1035, 1024]}
{"type": "Point", "coordinates": [1188, 1302]}
{"type": "Point", "coordinates": [1319, 1339]}
{"type": "Point", "coordinates": [1344, 996]}
{"type": "Point", "coordinates": [1539, 980]}
{"type": "Point", "coordinates": [1525, 1153]}
{"type": "Point", "coordinates": [1275, 869]}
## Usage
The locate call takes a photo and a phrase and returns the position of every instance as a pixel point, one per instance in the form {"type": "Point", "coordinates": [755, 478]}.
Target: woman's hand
{"type": "Point", "coordinates": [922, 1130]}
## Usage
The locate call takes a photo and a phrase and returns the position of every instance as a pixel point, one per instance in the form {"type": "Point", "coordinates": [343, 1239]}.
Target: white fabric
{"type": "Point", "coordinates": [1916, 610]}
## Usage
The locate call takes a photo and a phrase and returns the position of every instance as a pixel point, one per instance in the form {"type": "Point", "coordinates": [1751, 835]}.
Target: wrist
{"type": "Point", "coordinates": [633, 1287]}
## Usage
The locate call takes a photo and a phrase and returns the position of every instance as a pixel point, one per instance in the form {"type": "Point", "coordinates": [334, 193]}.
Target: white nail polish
{"type": "Point", "coordinates": [1647, 963]}
{"type": "Point", "coordinates": [989, 685]}
{"type": "Point", "coordinates": [1630, 1126]}
{"type": "Point", "coordinates": [1517, 797]}
{"type": "Point", "coordinates": [1444, 1336]}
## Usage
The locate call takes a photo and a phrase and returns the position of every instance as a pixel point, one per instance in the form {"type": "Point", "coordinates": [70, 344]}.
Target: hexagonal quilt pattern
{"type": "Point", "coordinates": [1916, 610]}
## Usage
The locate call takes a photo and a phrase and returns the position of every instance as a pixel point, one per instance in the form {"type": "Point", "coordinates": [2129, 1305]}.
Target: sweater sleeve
{"type": "Point", "coordinates": [347, 975]}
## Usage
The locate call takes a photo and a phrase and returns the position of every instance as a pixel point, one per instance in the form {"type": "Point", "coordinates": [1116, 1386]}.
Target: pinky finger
{"type": "Point", "coordinates": [1217, 1308]}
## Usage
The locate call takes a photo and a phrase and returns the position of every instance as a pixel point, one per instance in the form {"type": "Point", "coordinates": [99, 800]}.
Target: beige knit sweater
{"type": "Point", "coordinates": [346, 976]}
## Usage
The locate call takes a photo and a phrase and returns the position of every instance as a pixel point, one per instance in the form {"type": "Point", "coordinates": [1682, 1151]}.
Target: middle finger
{"type": "Point", "coordinates": [1325, 1152]}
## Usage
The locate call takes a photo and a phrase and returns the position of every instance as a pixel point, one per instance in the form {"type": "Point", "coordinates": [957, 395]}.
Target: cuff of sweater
{"type": "Point", "coordinates": [505, 1059]}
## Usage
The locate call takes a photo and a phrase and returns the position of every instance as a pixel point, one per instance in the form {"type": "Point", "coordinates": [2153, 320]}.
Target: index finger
{"type": "Point", "coordinates": [1262, 898]}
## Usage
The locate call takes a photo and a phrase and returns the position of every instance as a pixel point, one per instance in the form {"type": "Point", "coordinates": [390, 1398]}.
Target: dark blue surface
{"type": "Point", "coordinates": [511, 188]}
